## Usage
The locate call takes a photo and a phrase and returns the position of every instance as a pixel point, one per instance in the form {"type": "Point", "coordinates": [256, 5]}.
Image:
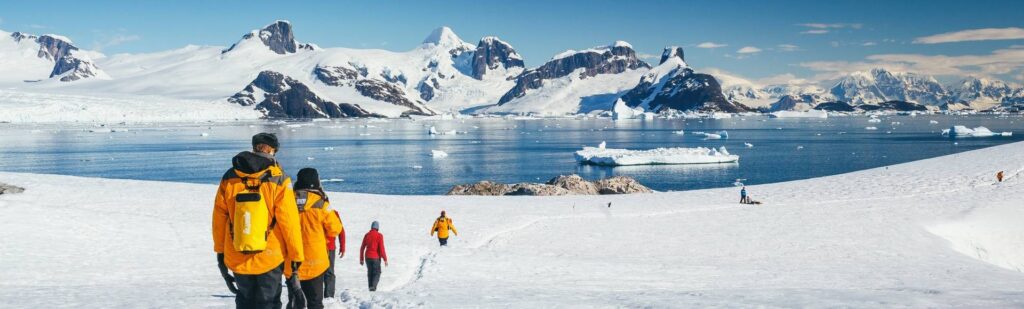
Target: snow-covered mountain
{"type": "Point", "coordinates": [575, 81]}
{"type": "Point", "coordinates": [673, 85]}
{"type": "Point", "coordinates": [28, 57]}
{"type": "Point", "coordinates": [880, 85]}
{"type": "Point", "coordinates": [982, 92]}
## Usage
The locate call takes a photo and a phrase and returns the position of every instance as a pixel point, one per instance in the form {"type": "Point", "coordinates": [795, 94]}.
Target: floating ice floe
{"type": "Point", "coordinates": [874, 120]}
{"type": "Point", "coordinates": [796, 114]}
{"type": "Point", "coordinates": [433, 131]}
{"type": "Point", "coordinates": [333, 180]}
{"type": "Point", "coordinates": [615, 157]}
{"type": "Point", "coordinates": [438, 154]}
{"type": "Point", "coordinates": [749, 145]}
{"type": "Point", "coordinates": [870, 128]}
{"type": "Point", "coordinates": [204, 134]}
{"type": "Point", "coordinates": [962, 131]}
{"type": "Point", "coordinates": [933, 122]}
{"type": "Point", "coordinates": [680, 132]}
{"type": "Point", "coordinates": [100, 131]}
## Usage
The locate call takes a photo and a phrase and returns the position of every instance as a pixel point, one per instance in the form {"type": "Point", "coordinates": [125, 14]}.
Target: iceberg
{"type": "Point", "coordinates": [438, 154]}
{"type": "Point", "coordinates": [658, 156]}
{"type": "Point", "coordinates": [963, 131]}
{"type": "Point", "coordinates": [795, 114]}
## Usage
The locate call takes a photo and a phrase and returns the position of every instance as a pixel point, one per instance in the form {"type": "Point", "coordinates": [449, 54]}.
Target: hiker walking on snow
{"type": "Point", "coordinates": [372, 252]}
{"type": "Point", "coordinates": [329, 279]}
{"type": "Point", "coordinates": [441, 226]}
{"type": "Point", "coordinates": [319, 223]}
{"type": "Point", "coordinates": [256, 227]}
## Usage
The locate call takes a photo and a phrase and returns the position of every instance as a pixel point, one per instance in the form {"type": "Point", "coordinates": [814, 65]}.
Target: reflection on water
{"type": "Point", "coordinates": [393, 156]}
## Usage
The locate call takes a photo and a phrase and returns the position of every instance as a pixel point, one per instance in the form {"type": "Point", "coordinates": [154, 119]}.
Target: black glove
{"type": "Point", "coordinates": [228, 279]}
{"type": "Point", "coordinates": [295, 267]}
{"type": "Point", "coordinates": [295, 297]}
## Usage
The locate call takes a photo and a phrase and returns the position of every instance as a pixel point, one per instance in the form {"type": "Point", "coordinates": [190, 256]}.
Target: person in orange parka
{"type": "Point", "coordinates": [257, 274]}
{"type": "Point", "coordinates": [319, 223]}
{"type": "Point", "coordinates": [441, 226]}
{"type": "Point", "coordinates": [329, 278]}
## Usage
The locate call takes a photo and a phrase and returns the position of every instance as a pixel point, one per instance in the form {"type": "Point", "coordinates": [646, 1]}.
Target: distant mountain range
{"type": "Point", "coordinates": [271, 72]}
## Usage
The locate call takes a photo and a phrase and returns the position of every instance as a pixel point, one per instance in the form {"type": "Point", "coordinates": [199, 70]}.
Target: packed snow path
{"type": "Point", "coordinates": [932, 233]}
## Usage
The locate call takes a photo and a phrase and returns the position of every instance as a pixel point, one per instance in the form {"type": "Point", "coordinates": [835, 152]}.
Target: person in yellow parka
{"type": "Point", "coordinates": [441, 226]}
{"type": "Point", "coordinates": [255, 246]}
{"type": "Point", "coordinates": [319, 223]}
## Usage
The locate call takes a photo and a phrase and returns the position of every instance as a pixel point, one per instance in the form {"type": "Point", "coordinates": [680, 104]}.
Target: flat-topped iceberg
{"type": "Point", "coordinates": [796, 114]}
{"type": "Point", "coordinates": [617, 157]}
{"type": "Point", "coordinates": [962, 131]}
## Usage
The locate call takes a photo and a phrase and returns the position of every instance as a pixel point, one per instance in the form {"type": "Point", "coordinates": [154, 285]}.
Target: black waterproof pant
{"type": "Point", "coordinates": [260, 291]}
{"type": "Point", "coordinates": [329, 278]}
{"type": "Point", "coordinates": [373, 273]}
{"type": "Point", "coordinates": [313, 289]}
{"type": "Point", "coordinates": [443, 241]}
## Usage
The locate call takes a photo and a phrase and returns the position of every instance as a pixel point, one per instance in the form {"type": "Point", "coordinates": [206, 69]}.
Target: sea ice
{"type": "Point", "coordinates": [962, 131]}
{"type": "Point", "coordinates": [438, 154]}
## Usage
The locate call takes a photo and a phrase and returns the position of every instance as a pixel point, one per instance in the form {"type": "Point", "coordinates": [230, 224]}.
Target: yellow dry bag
{"type": "Point", "coordinates": [251, 222]}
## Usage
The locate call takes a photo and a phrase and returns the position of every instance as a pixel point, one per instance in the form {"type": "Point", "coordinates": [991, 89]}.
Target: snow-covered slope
{"type": "Point", "coordinates": [983, 93]}
{"type": "Point", "coordinates": [934, 233]}
{"type": "Point", "coordinates": [575, 81]}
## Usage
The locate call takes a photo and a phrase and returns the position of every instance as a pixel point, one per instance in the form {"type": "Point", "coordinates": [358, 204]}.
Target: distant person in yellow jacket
{"type": "Point", "coordinates": [254, 246]}
{"type": "Point", "coordinates": [319, 223]}
{"type": "Point", "coordinates": [441, 226]}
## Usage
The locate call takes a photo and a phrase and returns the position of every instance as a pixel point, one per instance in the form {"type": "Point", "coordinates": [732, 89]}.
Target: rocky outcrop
{"type": "Point", "coordinates": [898, 106]}
{"type": "Point", "coordinates": [575, 184]}
{"type": "Point", "coordinates": [561, 185]}
{"type": "Point", "coordinates": [381, 90]}
{"type": "Point", "coordinates": [481, 188]}
{"type": "Point", "coordinates": [278, 37]}
{"type": "Point", "coordinates": [492, 54]}
{"type": "Point", "coordinates": [616, 58]}
{"type": "Point", "coordinates": [672, 85]}
{"type": "Point", "coordinates": [9, 189]}
{"type": "Point", "coordinates": [672, 52]}
{"type": "Point", "coordinates": [621, 185]}
{"type": "Point", "coordinates": [537, 189]}
{"type": "Point", "coordinates": [838, 106]}
{"type": "Point", "coordinates": [280, 96]}
{"type": "Point", "coordinates": [69, 64]}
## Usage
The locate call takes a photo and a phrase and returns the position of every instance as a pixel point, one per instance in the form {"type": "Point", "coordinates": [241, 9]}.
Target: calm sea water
{"type": "Point", "coordinates": [393, 157]}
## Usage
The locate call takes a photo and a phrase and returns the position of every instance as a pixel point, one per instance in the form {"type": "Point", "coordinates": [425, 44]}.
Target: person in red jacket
{"type": "Point", "coordinates": [329, 278]}
{"type": "Point", "coordinates": [372, 251]}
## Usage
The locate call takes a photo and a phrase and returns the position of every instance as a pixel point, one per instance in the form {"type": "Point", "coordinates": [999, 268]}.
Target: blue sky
{"type": "Point", "coordinates": [790, 40]}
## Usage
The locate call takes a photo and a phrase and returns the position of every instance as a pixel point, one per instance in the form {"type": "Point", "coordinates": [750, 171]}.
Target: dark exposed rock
{"type": "Point", "coordinates": [617, 58]}
{"type": "Point", "coordinates": [899, 106]}
{"type": "Point", "coordinates": [561, 185]}
{"type": "Point", "coordinates": [681, 89]}
{"type": "Point", "coordinates": [9, 189]}
{"type": "Point", "coordinates": [18, 36]}
{"type": "Point", "coordinates": [670, 52]}
{"type": "Point", "coordinates": [492, 53]}
{"type": "Point", "coordinates": [278, 37]}
{"type": "Point", "coordinates": [375, 89]}
{"type": "Point", "coordinates": [838, 106]}
{"type": "Point", "coordinates": [621, 185]}
{"type": "Point", "coordinates": [480, 188]}
{"type": "Point", "coordinates": [427, 87]}
{"type": "Point", "coordinates": [537, 189]}
{"type": "Point", "coordinates": [284, 97]}
{"type": "Point", "coordinates": [383, 91]}
{"type": "Point", "coordinates": [575, 184]}
{"type": "Point", "coordinates": [66, 65]}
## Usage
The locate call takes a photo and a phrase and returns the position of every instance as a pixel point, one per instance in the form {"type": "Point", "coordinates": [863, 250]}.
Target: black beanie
{"type": "Point", "coordinates": [265, 138]}
{"type": "Point", "coordinates": [308, 178]}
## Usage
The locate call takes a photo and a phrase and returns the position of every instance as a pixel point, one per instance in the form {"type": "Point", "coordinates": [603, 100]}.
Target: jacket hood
{"type": "Point", "coordinates": [249, 162]}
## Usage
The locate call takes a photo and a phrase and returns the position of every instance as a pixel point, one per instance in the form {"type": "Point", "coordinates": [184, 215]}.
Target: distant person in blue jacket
{"type": "Point", "coordinates": [744, 199]}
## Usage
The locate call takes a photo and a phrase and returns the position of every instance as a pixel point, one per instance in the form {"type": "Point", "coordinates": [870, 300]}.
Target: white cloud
{"type": "Point", "coordinates": [710, 45]}
{"type": "Point", "coordinates": [869, 44]}
{"type": "Point", "coordinates": [986, 34]}
{"type": "Point", "coordinates": [788, 47]}
{"type": "Point", "coordinates": [815, 31]}
{"type": "Point", "coordinates": [823, 28]}
{"type": "Point", "coordinates": [114, 41]}
{"type": "Point", "coordinates": [748, 50]}
{"type": "Point", "coordinates": [648, 56]}
{"type": "Point", "coordinates": [998, 62]}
